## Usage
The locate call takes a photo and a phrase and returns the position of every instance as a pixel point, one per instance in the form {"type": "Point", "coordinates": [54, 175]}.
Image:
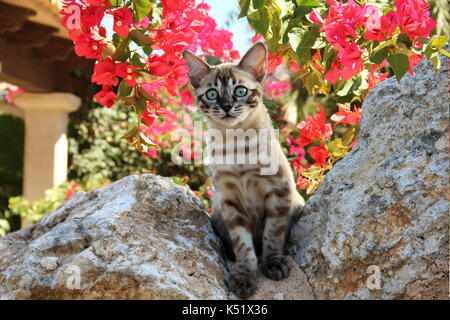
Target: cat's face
{"type": "Point", "coordinates": [229, 93]}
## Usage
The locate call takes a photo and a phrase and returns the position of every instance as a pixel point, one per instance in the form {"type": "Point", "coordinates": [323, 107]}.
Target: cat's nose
{"type": "Point", "coordinates": [226, 104]}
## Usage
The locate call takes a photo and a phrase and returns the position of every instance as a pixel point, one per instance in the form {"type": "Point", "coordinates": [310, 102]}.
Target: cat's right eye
{"type": "Point", "coordinates": [212, 94]}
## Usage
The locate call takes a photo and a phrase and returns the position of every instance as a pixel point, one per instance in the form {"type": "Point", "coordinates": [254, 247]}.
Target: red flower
{"type": "Point", "coordinates": [123, 19]}
{"type": "Point", "coordinates": [346, 116]}
{"type": "Point", "coordinates": [314, 129]}
{"type": "Point", "coordinates": [105, 73]}
{"type": "Point", "coordinates": [273, 61]}
{"type": "Point", "coordinates": [99, 3]}
{"type": "Point", "coordinates": [302, 183]}
{"type": "Point", "coordinates": [127, 72]}
{"type": "Point", "coordinates": [319, 154]}
{"type": "Point", "coordinates": [149, 117]}
{"type": "Point", "coordinates": [89, 47]}
{"type": "Point", "coordinates": [106, 96]}
{"type": "Point", "coordinates": [375, 77]}
{"type": "Point", "coordinates": [186, 97]}
{"type": "Point", "coordinates": [71, 190]}
{"type": "Point", "coordinates": [91, 17]}
{"type": "Point", "coordinates": [413, 61]}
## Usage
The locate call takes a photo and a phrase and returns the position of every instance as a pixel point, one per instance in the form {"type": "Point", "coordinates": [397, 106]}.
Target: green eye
{"type": "Point", "coordinates": [240, 91]}
{"type": "Point", "coordinates": [212, 94]}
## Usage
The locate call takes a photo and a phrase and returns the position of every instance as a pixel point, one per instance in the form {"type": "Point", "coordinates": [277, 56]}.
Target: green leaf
{"type": "Point", "coordinates": [295, 37]}
{"type": "Point", "coordinates": [115, 3]}
{"type": "Point", "coordinates": [309, 3]}
{"type": "Point", "coordinates": [405, 39]}
{"type": "Point", "coordinates": [399, 64]}
{"type": "Point", "coordinates": [245, 6]}
{"type": "Point", "coordinates": [148, 50]}
{"type": "Point", "coordinates": [258, 4]}
{"type": "Point", "coordinates": [348, 136]}
{"type": "Point", "coordinates": [124, 89]}
{"type": "Point", "coordinates": [285, 7]}
{"type": "Point", "coordinates": [142, 8]}
{"type": "Point", "coordinates": [308, 40]}
{"type": "Point", "coordinates": [136, 60]}
{"type": "Point", "coordinates": [439, 42]}
{"type": "Point", "coordinates": [305, 7]}
{"type": "Point", "coordinates": [261, 20]}
{"type": "Point", "coordinates": [132, 133]}
{"type": "Point", "coordinates": [336, 148]}
{"type": "Point", "coordinates": [436, 61]}
{"type": "Point", "coordinates": [379, 57]}
{"type": "Point", "coordinates": [141, 105]}
{"type": "Point", "coordinates": [345, 90]}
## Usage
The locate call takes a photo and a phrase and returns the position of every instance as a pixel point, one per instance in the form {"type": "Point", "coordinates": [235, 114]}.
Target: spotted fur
{"type": "Point", "coordinates": [250, 210]}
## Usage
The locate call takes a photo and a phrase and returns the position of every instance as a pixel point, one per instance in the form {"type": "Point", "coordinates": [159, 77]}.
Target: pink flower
{"type": "Point", "coordinates": [277, 89]}
{"type": "Point", "coordinates": [350, 57]}
{"type": "Point", "coordinates": [9, 96]}
{"type": "Point", "coordinates": [415, 18]}
{"type": "Point", "coordinates": [315, 17]}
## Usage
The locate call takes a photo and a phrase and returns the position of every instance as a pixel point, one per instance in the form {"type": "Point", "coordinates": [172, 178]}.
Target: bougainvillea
{"type": "Point", "coordinates": [344, 49]}
{"type": "Point", "coordinates": [158, 33]}
{"type": "Point", "coordinates": [340, 48]}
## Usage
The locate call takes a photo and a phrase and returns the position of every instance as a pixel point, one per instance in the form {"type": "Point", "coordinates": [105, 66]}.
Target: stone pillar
{"type": "Point", "coordinates": [46, 147]}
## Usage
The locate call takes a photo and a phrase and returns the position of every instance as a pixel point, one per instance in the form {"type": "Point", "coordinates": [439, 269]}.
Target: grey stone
{"type": "Point", "coordinates": [395, 215]}
{"type": "Point", "coordinates": [142, 237]}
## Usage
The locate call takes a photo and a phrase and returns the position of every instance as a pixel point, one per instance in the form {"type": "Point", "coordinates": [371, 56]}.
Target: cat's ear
{"type": "Point", "coordinates": [255, 61]}
{"type": "Point", "coordinates": [197, 68]}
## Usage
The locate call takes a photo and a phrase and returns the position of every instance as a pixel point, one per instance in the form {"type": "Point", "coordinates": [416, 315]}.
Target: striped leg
{"type": "Point", "coordinates": [274, 263]}
{"type": "Point", "coordinates": [242, 278]}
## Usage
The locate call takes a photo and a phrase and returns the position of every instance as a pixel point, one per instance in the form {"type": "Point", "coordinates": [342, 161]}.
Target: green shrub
{"type": "Point", "coordinates": [12, 131]}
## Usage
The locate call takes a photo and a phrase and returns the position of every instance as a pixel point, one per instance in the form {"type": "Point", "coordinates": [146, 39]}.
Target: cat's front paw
{"type": "Point", "coordinates": [242, 282]}
{"type": "Point", "coordinates": [276, 268]}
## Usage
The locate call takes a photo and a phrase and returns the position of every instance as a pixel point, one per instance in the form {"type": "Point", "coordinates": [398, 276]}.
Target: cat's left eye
{"type": "Point", "coordinates": [240, 91]}
{"type": "Point", "coordinates": [211, 94]}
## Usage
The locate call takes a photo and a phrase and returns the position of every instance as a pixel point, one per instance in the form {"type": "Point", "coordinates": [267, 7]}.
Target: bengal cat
{"type": "Point", "coordinates": [251, 208]}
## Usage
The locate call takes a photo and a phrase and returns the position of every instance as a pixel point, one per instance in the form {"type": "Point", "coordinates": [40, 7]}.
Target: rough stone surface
{"type": "Point", "coordinates": [387, 202]}
{"type": "Point", "coordinates": [143, 237]}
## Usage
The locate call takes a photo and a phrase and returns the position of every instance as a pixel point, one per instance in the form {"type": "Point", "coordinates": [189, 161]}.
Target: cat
{"type": "Point", "coordinates": [251, 210]}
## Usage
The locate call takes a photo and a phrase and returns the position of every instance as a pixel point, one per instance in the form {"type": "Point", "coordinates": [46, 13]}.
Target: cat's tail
{"type": "Point", "coordinates": [221, 231]}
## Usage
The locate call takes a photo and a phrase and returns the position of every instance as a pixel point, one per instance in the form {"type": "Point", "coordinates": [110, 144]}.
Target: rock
{"type": "Point", "coordinates": [49, 263]}
{"type": "Point", "coordinates": [142, 237]}
{"type": "Point", "coordinates": [386, 204]}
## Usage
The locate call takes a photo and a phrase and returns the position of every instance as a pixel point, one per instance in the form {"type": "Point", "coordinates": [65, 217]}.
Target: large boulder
{"type": "Point", "coordinates": [383, 211]}
{"type": "Point", "coordinates": [142, 237]}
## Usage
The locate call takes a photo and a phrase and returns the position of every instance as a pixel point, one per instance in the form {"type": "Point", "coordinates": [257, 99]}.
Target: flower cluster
{"type": "Point", "coordinates": [183, 25]}
{"type": "Point", "coordinates": [346, 21]}
{"type": "Point", "coordinates": [317, 133]}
